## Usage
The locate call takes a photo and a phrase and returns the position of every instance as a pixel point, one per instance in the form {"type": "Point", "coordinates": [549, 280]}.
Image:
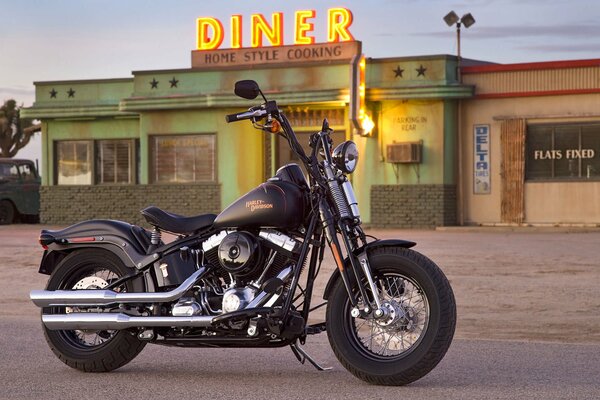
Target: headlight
{"type": "Point", "coordinates": [345, 156]}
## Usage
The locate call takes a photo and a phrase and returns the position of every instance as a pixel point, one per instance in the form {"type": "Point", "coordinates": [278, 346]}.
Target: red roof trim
{"type": "Point", "coordinates": [538, 93]}
{"type": "Point", "coordinates": [531, 66]}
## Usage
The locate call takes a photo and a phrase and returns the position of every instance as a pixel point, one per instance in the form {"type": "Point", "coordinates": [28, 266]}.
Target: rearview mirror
{"type": "Point", "coordinates": [247, 89]}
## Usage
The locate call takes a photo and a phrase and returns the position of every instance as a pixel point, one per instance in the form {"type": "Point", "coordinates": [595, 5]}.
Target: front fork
{"type": "Point", "coordinates": [358, 264]}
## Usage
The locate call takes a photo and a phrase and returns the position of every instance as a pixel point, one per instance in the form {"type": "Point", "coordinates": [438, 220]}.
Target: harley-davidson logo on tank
{"type": "Point", "coordinates": [253, 205]}
{"type": "Point", "coordinates": [266, 39]}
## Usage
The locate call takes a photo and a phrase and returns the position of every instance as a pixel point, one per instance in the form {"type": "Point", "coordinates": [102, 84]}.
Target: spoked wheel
{"type": "Point", "coordinates": [406, 322]}
{"type": "Point", "coordinates": [87, 350]}
{"type": "Point", "coordinates": [414, 333]}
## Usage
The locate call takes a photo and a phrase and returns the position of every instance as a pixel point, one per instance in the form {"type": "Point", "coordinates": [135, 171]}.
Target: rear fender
{"type": "Point", "coordinates": [128, 242]}
{"type": "Point", "coordinates": [368, 248]}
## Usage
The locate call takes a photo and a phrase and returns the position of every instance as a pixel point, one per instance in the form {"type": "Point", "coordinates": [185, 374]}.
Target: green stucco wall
{"type": "Point", "coordinates": [408, 107]}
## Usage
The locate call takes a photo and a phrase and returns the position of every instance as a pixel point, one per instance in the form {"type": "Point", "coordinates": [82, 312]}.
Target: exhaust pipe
{"type": "Point", "coordinates": [90, 298]}
{"type": "Point", "coordinates": [103, 321]}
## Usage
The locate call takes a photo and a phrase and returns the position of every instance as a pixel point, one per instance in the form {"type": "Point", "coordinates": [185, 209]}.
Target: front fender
{"type": "Point", "coordinates": [368, 247]}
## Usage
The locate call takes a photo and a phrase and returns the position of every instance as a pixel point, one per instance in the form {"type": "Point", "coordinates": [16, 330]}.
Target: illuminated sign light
{"type": "Point", "coordinates": [210, 31]}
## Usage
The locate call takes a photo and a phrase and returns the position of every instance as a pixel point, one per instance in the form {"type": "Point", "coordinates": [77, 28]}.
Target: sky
{"type": "Point", "coordinates": [43, 40]}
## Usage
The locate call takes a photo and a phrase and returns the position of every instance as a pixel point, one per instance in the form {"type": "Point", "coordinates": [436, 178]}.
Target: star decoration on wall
{"type": "Point", "coordinates": [421, 71]}
{"type": "Point", "coordinates": [53, 93]}
{"type": "Point", "coordinates": [398, 71]}
{"type": "Point", "coordinates": [154, 84]}
{"type": "Point", "coordinates": [174, 82]}
{"type": "Point", "coordinates": [71, 92]}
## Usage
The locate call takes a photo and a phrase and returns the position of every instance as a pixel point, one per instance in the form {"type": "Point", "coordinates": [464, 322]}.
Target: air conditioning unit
{"type": "Point", "coordinates": [404, 152]}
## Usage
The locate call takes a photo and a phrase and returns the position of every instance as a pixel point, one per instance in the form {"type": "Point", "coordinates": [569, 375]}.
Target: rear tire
{"type": "Point", "coordinates": [105, 350]}
{"type": "Point", "coordinates": [7, 212]}
{"type": "Point", "coordinates": [399, 350]}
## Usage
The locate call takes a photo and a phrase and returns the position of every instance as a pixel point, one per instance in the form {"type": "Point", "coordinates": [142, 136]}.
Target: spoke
{"type": "Point", "coordinates": [364, 321]}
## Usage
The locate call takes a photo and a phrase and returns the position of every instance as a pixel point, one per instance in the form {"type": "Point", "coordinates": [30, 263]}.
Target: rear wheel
{"type": "Point", "coordinates": [419, 322]}
{"type": "Point", "coordinates": [7, 212]}
{"type": "Point", "coordinates": [86, 350]}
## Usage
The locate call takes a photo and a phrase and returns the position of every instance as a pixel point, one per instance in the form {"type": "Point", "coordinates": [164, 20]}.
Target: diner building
{"type": "Point", "coordinates": [450, 143]}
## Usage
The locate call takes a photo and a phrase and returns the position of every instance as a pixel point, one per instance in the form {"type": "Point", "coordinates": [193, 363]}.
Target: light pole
{"type": "Point", "coordinates": [467, 20]}
{"type": "Point", "coordinates": [452, 19]}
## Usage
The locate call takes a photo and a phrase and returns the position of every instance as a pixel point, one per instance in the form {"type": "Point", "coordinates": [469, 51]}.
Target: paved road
{"type": "Point", "coordinates": [473, 369]}
{"type": "Point", "coordinates": [512, 286]}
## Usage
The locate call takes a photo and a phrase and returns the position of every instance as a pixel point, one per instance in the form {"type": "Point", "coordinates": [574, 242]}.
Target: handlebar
{"type": "Point", "coordinates": [245, 115]}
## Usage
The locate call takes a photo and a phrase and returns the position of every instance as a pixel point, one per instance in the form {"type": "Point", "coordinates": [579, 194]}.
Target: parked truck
{"type": "Point", "coordinates": [19, 191]}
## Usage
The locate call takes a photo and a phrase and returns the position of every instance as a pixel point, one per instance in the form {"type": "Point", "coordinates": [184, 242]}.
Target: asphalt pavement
{"type": "Point", "coordinates": [472, 369]}
{"type": "Point", "coordinates": [535, 291]}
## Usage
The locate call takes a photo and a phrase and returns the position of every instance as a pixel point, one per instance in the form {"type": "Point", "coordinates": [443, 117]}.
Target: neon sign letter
{"type": "Point", "coordinates": [338, 22]}
{"type": "Point", "coordinates": [273, 33]}
{"type": "Point", "coordinates": [302, 27]}
{"type": "Point", "coordinates": [204, 41]}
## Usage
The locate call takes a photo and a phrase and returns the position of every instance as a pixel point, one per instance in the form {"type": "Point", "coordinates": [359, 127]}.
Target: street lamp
{"type": "Point", "coordinates": [467, 20]}
{"type": "Point", "coordinates": [452, 19]}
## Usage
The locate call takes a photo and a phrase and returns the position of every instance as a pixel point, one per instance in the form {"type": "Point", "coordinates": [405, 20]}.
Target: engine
{"type": "Point", "coordinates": [240, 254]}
{"type": "Point", "coordinates": [251, 270]}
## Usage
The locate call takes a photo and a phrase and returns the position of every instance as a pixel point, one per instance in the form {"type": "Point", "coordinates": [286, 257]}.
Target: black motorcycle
{"type": "Point", "coordinates": [245, 277]}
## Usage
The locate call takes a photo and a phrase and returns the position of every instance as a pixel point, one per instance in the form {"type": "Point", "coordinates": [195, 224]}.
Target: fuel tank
{"type": "Point", "coordinates": [278, 203]}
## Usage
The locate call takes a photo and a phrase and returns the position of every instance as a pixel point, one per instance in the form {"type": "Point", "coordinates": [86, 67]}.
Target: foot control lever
{"type": "Point", "coordinates": [302, 356]}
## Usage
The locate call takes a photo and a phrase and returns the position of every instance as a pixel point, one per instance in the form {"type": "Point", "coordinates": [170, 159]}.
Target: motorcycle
{"type": "Point", "coordinates": [245, 277]}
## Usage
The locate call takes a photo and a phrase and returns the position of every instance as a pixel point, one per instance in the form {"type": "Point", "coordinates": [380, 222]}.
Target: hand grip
{"type": "Point", "coordinates": [233, 118]}
{"type": "Point", "coordinates": [252, 113]}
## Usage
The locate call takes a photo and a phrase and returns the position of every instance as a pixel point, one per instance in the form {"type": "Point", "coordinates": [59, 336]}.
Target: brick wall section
{"type": "Point", "coordinates": [413, 206]}
{"type": "Point", "coordinates": [65, 205]}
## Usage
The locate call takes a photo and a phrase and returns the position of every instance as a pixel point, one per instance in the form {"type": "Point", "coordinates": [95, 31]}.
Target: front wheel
{"type": "Point", "coordinates": [416, 331]}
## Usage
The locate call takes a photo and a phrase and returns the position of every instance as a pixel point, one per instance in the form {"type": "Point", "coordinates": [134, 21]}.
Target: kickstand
{"type": "Point", "coordinates": [302, 356]}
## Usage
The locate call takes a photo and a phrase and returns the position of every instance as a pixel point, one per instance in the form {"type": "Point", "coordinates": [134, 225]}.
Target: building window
{"type": "Point", "coordinates": [563, 152]}
{"type": "Point", "coordinates": [115, 162]}
{"type": "Point", "coordinates": [74, 162]}
{"type": "Point", "coordinates": [183, 158]}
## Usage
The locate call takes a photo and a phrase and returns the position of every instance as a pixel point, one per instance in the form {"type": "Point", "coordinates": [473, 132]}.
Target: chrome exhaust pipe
{"type": "Point", "coordinates": [104, 321]}
{"type": "Point", "coordinates": [90, 298]}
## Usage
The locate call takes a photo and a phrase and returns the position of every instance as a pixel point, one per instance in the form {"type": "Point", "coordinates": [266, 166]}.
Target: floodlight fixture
{"type": "Point", "coordinates": [451, 18]}
{"type": "Point", "coordinates": [467, 20]}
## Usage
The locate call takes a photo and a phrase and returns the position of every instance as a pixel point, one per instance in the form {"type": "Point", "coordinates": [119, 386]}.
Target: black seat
{"type": "Point", "coordinates": [176, 223]}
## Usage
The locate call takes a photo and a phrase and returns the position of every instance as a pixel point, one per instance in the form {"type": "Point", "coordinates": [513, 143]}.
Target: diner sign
{"type": "Point", "coordinates": [266, 40]}
{"type": "Point", "coordinates": [210, 32]}
{"type": "Point", "coordinates": [322, 52]}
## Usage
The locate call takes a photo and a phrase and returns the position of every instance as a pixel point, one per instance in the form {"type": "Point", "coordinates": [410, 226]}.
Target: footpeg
{"type": "Point", "coordinates": [303, 356]}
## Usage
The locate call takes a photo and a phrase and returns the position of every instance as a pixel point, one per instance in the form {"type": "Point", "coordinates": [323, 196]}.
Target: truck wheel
{"type": "Point", "coordinates": [7, 212]}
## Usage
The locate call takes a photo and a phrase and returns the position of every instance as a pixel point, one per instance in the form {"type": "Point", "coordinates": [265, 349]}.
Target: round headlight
{"type": "Point", "coordinates": [345, 156]}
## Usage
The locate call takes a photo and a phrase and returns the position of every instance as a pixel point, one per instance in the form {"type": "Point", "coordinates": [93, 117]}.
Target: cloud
{"type": "Point", "coordinates": [581, 30]}
{"type": "Point", "coordinates": [563, 48]}
{"type": "Point", "coordinates": [19, 93]}
{"type": "Point", "coordinates": [17, 90]}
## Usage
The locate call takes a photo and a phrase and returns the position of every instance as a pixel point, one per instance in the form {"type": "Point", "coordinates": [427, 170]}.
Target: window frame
{"type": "Point", "coordinates": [133, 162]}
{"type": "Point", "coordinates": [565, 179]}
{"type": "Point", "coordinates": [152, 175]}
{"type": "Point", "coordinates": [93, 145]}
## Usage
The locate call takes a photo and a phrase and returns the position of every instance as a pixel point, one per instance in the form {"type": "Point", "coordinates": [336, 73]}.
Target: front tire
{"type": "Point", "coordinates": [90, 351]}
{"type": "Point", "coordinates": [417, 331]}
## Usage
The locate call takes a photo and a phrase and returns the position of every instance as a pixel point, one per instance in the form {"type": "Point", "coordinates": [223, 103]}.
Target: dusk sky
{"type": "Point", "coordinates": [86, 39]}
